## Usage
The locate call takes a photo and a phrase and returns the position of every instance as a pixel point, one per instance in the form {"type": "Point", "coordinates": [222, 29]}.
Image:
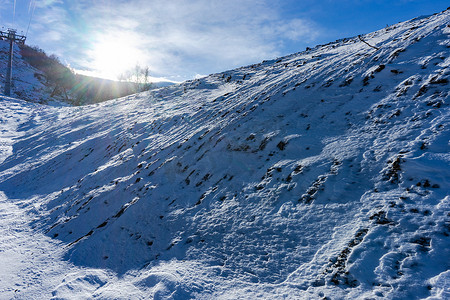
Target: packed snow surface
{"type": "Point", "coordinates": [324, 174]}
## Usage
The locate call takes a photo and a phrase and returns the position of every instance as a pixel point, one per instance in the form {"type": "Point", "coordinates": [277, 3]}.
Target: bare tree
{"type": "Point", "coordinates": [138, 75]}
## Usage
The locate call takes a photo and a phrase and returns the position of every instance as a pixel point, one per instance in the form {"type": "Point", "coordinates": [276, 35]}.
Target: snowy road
{"type": "Point", "coordinates": [32, 264]}
{"type": "Point", "coordinates": [26, 256]}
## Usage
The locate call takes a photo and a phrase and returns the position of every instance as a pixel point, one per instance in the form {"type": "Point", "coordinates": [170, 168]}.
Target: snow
{"type": "Point", "coordinates": [323, 174]}
{"type": "Point", "coordinates": [27, 82]}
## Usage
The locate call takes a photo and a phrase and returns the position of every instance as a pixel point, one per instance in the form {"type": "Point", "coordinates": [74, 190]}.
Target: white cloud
{"type": "Point", "coordinates": [176, 37]}
{"type": "Point", "coordinates": [297, 29]}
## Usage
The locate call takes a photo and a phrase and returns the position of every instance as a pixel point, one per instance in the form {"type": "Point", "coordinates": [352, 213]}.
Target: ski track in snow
{"type": "Point", "coordinates": [323, 174]}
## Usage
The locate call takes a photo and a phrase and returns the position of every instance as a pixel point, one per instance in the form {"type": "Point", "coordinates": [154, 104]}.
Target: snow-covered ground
{"type": "Point", "coordinates": [28, 83]}
{"type": "Point", "coordinates": [324, 174]}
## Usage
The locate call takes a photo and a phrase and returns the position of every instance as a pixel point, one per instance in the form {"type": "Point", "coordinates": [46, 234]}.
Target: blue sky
{"type": "Point", "coordinates": [181, 39]}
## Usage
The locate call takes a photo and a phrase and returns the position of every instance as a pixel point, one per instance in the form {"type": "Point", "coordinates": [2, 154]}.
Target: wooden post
{"type": "Point", "coordinates": [361, 39]}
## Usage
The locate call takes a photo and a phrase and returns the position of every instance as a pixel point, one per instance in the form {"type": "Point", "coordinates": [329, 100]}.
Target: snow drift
{"type": "Point", "coordinates": [320, 174]}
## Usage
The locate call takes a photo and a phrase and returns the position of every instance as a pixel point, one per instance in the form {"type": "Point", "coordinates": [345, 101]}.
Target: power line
{"type": "Point", "coordinates": [14, 13]}
{"type": "Point", "coordinates": [29, 6]}
{"type": "Point", "coordinates": [32, 2]}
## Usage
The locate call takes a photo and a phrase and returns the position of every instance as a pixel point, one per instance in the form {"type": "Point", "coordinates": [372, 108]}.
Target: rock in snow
{"type": "Point", "coordinates": [323, 174]}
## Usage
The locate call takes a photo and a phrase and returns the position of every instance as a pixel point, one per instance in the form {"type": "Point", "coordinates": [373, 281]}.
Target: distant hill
{"type": "Point", "coordinates": [40, 78]}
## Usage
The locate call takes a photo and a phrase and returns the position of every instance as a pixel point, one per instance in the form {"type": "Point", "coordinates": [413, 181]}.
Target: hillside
{"type": "Point", "coordinates": [43, 79]}
{"type": "Point", "coordinates": [323, 174]}
{"type": "Point", "coordinates": [28, 82]}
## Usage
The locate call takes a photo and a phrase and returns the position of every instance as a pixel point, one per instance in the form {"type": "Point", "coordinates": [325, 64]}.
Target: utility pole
{"type": "Point", "coordinates": [12, 36]}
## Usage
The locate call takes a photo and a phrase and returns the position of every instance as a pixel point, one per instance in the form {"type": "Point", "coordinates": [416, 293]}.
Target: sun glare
{"type": "Point", "coordinates": [112, 55]}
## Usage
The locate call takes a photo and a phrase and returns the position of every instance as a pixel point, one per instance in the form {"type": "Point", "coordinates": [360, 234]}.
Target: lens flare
{"type": "Point", "coordinates": [114, 54]}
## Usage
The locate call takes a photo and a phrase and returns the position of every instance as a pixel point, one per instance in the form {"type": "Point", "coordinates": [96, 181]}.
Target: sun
{"type": "Point", "coordinates": [114, 54]}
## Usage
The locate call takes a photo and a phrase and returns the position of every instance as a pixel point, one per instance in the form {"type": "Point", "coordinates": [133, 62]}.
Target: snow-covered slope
{"type": "Point", "coordinates": [323, 174]}
{"type": "Point", "coordinates": [28, 82]}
